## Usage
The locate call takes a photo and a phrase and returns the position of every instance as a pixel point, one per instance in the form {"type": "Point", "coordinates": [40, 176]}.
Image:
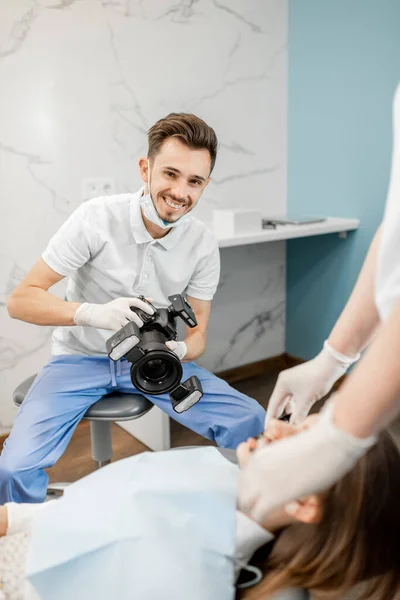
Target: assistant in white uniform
{"type": "Point", "coordinates": [369, 399]}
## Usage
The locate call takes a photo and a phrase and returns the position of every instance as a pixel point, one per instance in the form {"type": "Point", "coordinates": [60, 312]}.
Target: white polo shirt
{"type": "Point", "coordinates": [107, 252]}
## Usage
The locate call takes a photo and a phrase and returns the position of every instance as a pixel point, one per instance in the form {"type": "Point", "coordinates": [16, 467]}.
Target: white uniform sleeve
{"type": "Point", "coordinates": [204, 281]}
{"type": "Point", "coordinates": [72, 245]}
{"type": "Point", "coordinates": [20, 516]}
{"type": "Point", "coordinates": [387, 289]}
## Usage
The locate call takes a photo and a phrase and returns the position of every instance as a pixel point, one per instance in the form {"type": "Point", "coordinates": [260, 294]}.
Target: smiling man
{"type": "Point", "coordinates": [112, 250]}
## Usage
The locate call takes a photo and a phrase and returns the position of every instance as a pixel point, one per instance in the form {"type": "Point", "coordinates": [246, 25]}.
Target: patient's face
{"type": "Point", "coordinates": [308, 509]}
{"type": "Point", "coordinates": [276, 430]}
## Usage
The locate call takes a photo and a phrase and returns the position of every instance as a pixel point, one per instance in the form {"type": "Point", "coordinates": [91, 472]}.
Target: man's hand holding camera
{"type": "Point", "coordinates": [117, 313]}
{"type": "Point", "coordinates": [113, 315]}
{"type": "Point", "coordinates": [154, 353]}
{"type": "Point", "coordinates": [179, 348]}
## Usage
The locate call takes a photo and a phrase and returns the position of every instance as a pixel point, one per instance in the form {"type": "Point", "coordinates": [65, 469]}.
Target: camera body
{"type": "Point", "coordinates": [155, 369]}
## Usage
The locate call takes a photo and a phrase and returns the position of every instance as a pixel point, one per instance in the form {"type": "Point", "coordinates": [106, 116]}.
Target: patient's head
{"type": "Point", "coordinates": [348, 534]}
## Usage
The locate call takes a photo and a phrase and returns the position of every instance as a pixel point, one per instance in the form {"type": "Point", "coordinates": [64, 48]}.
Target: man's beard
{"type": "Point", "coordinates": [170, 217]}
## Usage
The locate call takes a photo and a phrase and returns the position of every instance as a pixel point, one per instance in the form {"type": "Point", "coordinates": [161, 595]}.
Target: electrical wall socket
{"type": "Point", "coordinates": [97, 186]}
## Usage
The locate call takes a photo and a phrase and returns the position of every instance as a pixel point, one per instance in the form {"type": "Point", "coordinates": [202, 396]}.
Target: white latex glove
{"type": "Point", "coordinates": [291, 468]}
{"type": "Point", "coordinates": [113, 315]}
{"type": "Point", "coordinates": [298, 388]}
{"type": "Point", "coordinates": [178, 347]}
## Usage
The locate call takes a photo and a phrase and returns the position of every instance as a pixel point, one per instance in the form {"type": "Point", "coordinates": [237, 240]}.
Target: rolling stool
{"type": "Point", "coordinates": [112, 407]}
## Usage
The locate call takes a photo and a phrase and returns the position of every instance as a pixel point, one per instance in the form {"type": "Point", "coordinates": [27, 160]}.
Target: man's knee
{"type": "Point", "coordinates": [249, 423]}
{"type": "Point", "coordinates": [253, 418]}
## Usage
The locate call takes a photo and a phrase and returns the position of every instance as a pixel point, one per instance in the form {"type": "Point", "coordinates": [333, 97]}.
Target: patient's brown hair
{"type": "Point", "coordinates": [357, 539]}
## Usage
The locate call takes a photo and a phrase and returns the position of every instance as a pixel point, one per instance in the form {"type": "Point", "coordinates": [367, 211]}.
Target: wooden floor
{"type": "Point", "coordinates": [77, 460]}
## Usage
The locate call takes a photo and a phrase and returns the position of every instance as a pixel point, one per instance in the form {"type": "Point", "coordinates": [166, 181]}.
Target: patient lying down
{"type": "Point", "coordinates": [329, 542]}
{"type": "Point", "coordinates": [325, 543]}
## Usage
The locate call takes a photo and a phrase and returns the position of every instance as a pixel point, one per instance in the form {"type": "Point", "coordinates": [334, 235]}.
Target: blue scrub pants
{"type": "Point", "coordinates": [69, 384]}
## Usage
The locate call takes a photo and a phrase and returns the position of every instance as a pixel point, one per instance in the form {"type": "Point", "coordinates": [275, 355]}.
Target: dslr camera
{"type": "Point", "coordinates": [155, 369]}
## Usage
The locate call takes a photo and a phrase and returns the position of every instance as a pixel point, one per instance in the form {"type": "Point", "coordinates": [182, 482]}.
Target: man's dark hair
{"type": "Point", "coordinates": [189, 129]}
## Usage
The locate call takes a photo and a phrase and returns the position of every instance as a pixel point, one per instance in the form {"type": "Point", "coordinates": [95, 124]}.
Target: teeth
{"type": "Point", "coordinates": [172, 204]}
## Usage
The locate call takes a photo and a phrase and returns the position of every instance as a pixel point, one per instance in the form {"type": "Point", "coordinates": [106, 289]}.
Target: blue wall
{"type": "Point", "coordinates": [344, 64]}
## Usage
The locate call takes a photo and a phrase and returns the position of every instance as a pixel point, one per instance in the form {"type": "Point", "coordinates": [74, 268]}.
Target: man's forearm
{"type": "Point", "coordinates": [35, 305]}
{"type": "Point", "coordinates": [370, 397]}
{"type": "Point", "coordinates": [359, 320]}
{"type": "Point", "coordinates": [195, 344]}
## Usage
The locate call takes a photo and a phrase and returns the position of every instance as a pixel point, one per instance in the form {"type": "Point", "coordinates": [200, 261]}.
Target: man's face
{"type": "Point", "coordinates": [178, 177]}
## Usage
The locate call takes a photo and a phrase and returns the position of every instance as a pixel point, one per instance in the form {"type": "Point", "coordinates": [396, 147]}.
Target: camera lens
{"type": "Point", "coordinates": [158, 372]}
{"type": "Point", "coordinates": [155, 369]}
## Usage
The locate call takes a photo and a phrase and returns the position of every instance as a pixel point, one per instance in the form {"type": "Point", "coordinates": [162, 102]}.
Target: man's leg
{"type": "Point", "coordinates": [59, 397]}
{"type": "Point", "coordinates": [223, 414]}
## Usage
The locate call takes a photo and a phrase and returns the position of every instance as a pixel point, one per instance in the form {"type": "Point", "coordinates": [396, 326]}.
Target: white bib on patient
{"type": "Point", "coordinates": [152, 526]}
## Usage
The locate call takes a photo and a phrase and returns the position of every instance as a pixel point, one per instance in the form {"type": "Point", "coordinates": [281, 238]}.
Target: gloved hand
{"type": "Point", "coordinates": [178, 347]}
{"type": "Point", "coordinates": [298, 388]}
{"type": "Point", "coordinates": [291, 468]}
{"type": "Point", "coordinates": [112, 315]}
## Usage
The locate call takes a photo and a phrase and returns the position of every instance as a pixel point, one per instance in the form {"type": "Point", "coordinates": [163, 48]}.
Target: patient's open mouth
{"type": "Point", "coordinates": [261, 441]}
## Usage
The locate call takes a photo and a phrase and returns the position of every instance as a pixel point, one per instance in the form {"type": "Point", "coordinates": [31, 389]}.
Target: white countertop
{"type": "Point", "coordinates": [288, 232]}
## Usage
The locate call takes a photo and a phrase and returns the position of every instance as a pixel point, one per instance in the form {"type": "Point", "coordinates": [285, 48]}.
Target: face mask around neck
{"type": "Point", "coordinates": [150, 211]}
